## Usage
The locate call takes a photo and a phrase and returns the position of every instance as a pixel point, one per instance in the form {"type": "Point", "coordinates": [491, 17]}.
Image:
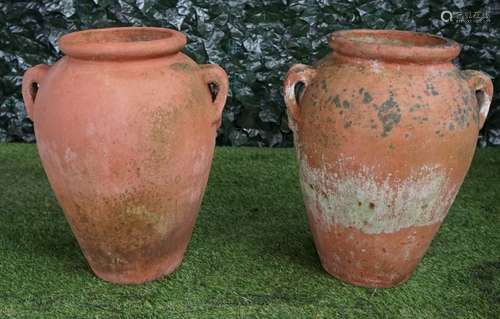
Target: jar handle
{"type": "Point", "coordinates": [480, 82]}
{"type": "Point", "coordinates": [214, 74]}
{"type": "Point", "coordinates": [33, 76]}
{"type": "Point", "coordinates": [298, 73]}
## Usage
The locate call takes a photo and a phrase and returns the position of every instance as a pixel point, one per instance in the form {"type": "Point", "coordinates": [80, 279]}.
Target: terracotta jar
{"type": "Point", "coordinates": [385, 130]}
{"type": "Point", "coordinates": [126, 126]}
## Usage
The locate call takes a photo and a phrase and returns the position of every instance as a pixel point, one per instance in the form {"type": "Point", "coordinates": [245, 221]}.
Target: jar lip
{"type": "Point", "coordinates": [394, 46]}
{"type": "Point", "coordinates": [122, 43]}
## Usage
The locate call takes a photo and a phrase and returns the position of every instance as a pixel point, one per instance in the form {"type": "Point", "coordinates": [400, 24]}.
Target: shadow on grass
{"type": "Point", "coordinates": [267, 211]}
{"type": "Point", "coordinates": [486, 277]}
{"type": "Point", "coordinates": [38, 228]}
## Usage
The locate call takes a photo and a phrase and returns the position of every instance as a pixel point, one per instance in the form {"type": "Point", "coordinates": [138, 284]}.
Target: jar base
{"type": "Point", "coordinates": [366, 281]}
{"type": "Point", "coordinates": [138, 277]}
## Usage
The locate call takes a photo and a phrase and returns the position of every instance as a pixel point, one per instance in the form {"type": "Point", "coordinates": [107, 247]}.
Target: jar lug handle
{"type": "Point", "coordinates": [31, 78]}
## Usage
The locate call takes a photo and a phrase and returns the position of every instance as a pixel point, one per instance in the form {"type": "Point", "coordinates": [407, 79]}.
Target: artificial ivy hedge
{"type": "Point", "coordinates": [254, 41]}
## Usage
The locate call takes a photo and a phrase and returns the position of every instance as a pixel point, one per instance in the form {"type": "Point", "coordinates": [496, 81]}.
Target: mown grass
{"type": "Point", "coordinates": [251, 254]}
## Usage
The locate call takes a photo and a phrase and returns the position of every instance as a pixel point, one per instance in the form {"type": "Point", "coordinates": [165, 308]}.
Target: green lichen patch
{"type": "Point", "coordinates": [183, 67]}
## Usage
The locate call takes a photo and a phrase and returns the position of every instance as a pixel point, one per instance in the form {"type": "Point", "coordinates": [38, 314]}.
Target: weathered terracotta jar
{"type": "Point", "coordinates": [385, 131]}
{"type": "Point", "coordinates": [126, 126]}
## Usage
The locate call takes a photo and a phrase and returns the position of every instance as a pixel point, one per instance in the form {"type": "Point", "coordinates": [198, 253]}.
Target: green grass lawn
{"type": "Point", "coordinates": [251, 254]}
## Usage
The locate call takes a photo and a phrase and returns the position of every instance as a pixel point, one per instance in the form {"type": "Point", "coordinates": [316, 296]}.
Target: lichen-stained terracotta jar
{"type": "Point", "coordinates": [385, 130]}
{"type": "Point", "coordinates": [126, 126]}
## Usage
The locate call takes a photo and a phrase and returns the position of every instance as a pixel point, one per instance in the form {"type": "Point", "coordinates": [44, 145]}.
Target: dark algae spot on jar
{"type": "Point", "coordinates": [389, 114]}
{"type": "Point", "coordinates": [367, 98]}
{"type": "Point", "coordinates": [336, 100]}
{"type": "Point", "coordinates": [430, 89]}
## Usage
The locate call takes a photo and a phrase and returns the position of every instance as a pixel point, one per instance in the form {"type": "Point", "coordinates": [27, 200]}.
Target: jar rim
{"type": "Point", "coordinates": [394, 46]}
{"type": "Point", "coordinates": [122, 43]}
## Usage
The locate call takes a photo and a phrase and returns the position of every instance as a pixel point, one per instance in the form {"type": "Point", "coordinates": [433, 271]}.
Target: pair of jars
{"type": "Point", "coordinates": [385, 130]}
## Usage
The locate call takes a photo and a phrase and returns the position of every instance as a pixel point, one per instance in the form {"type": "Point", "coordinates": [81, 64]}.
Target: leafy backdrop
{"type": "Point", "coordinates": [254, 41]}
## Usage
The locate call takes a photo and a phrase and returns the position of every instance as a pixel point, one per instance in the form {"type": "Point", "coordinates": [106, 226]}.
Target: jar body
{"type": "Point", "coordinates": [383, 148]}
{"type": "Point", "coordinates": [127, 148]}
